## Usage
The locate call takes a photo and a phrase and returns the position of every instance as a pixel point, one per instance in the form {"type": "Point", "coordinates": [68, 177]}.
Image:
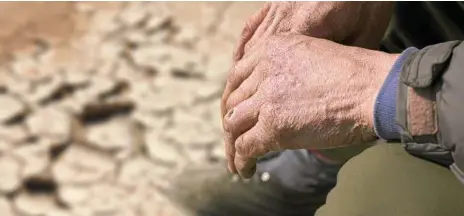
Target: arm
{"type": "Point", "coordinates": [429, 104]}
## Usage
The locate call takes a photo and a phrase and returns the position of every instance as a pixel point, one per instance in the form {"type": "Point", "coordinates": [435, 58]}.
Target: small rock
{"type": "Point", "coordinates": [14, 134]}
{"type": "Point", "coordinates": [160, 150]}
{"type": "Point", "coordinates": [11, 171]}
{"type": "Point", "coordinates": [5, 207]}
{"type": "Point", "coordinates": [35, 158]}
{"type": "Point", "coordinates": [11, 108]}
{"type": "Point", "coordinates": [34, 205]}
{"type": "Point", "coordinates": [114, 136]}
{"type": "Point", "coordinates": [70, 168]}
{"type": "Point", "coordinates": [52, 123]}
{"type": "Point", "coordinates": [140, 171]}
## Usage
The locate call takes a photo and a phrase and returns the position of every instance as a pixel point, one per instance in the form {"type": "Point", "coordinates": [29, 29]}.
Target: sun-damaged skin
{"type": "Point", "coordinates": [361, 24]}
{"type": "Point", "coordinates": [299, 92]}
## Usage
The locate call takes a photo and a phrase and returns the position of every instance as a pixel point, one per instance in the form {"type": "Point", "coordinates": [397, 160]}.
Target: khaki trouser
{"type": "Point", "coordinates": [385, 180]}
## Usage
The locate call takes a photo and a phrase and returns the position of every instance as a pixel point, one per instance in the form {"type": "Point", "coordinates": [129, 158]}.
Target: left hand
{"type": "Point", "coordinates": [298, 92]}
{"type": "Point", "coordinates": [359, 23]}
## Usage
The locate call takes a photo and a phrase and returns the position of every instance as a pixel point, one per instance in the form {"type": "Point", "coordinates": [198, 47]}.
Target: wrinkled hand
{"type": "Point", "coordinates": [298, 92]}
{"type": "Point", "coordinates": [361, 24]}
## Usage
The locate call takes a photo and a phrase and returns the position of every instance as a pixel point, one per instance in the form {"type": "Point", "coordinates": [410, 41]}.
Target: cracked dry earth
{"type": "Point", "coordinates": [97, 122]}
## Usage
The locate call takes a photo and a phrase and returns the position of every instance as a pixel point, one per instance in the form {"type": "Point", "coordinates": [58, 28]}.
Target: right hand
{"type": "Point", "coordinates": [287, 96]}
{"type": "Point", "coordinates": [360, 24]}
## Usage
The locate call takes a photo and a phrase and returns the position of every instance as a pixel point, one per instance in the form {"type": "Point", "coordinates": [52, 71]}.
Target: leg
{"type": "Point", "coordinates": [385, 181]}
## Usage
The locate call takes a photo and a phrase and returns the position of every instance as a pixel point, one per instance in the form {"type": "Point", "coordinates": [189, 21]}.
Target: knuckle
{"type": "Point", "coordinates": [240, 166]}
{"type": "Point", "coordinates": [229, 127]}
{"type": "Point", "coordinates": [234, 99]}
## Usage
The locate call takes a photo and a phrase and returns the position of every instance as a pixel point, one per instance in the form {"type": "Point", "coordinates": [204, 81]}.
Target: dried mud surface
{"type": "Point", "coordinates": [103, 103]}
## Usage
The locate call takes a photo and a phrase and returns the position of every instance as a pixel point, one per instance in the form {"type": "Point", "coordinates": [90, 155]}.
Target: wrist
{"type": "Point", "coordinates": [385, 103]}
{"type": "Point", "coordinates": [378, 68]}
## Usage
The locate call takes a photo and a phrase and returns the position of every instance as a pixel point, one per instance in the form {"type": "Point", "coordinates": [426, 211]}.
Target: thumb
{"type": "Point", "coordinates": [248, 31]}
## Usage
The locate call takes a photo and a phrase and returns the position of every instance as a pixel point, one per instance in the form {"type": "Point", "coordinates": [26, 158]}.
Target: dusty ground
{"type": "Point", "coordinates": [102, 103]}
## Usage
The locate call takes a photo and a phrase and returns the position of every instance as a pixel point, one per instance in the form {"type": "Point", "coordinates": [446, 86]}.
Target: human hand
{"type": "Point", "coordinates": [299, 92]}
{"type": "Point", "coordinates": [361, 24]}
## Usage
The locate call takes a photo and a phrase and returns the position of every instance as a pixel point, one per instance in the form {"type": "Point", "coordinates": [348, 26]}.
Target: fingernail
{"type": "Point", "coordinates": [231, 169]}
{"type": "Point", "coordinates": [231, 112]}
{"type": "Point", "coordinates": [253, 170]}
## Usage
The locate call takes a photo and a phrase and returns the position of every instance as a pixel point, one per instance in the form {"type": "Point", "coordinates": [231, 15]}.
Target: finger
{"type": "Point", "coordinates": [243, 92]}
{"type": "Point", "coordinates": [249, 146]}
{"type": "Point", "coordinates": [230, 152]}
{"type": "Point", "coordinates": [249, 30]}
{"type": "Point", "coordinates": [268, 27]}
{"type": "Point", "coordinates": [238, 120]}
{"type": "Point", "coordinates": [242, 117]}
{"type": "Point", "coordinates": [237, 74]}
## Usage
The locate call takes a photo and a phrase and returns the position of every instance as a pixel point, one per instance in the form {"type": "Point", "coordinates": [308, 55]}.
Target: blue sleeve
{"type": "Point", "coordinates": [385, 103]}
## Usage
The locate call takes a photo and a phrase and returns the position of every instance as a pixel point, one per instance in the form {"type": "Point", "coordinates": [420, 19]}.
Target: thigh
{"type": "Point", "coordinates": [386, 181]}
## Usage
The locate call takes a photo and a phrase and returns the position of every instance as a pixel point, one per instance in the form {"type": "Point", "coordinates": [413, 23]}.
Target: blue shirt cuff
{"type": "Point", "coordinates": [385, 103]}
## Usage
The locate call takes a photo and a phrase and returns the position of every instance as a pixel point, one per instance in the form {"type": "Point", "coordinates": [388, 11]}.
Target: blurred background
{"type": "Point", "coordinates": [103, 103]}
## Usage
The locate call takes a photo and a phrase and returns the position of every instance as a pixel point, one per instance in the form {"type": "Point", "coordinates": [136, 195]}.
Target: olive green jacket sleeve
{"type": "Point", "coordinates": [430, 105]}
